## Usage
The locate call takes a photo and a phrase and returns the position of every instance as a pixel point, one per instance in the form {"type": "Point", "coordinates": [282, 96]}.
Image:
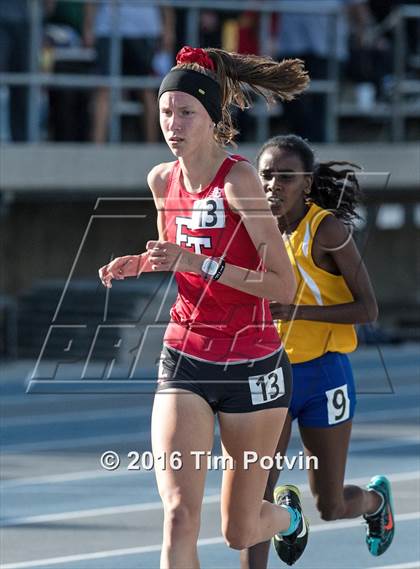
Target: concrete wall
{"type": "Point", "coordinates": [44, 240]}
{"type": "Point", "coordinates": [124, 167]}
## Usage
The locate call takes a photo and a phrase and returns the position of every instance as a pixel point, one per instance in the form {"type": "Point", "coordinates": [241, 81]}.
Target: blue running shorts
{"type": "Point", "coordinates": [323, 391]}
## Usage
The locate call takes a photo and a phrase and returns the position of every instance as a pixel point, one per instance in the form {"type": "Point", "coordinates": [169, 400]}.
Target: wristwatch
{"type": "Point", "coordinates": [212, 268]}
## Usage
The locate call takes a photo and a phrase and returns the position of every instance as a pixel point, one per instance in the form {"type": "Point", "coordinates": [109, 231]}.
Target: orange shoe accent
{"type": "Point", "coordinates": [390, 523]}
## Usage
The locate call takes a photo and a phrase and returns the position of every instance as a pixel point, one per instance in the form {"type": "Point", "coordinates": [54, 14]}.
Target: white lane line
{"type": "Point", "coordinates": [343, 524]}
{"type": "Point", "coordinates": [78, 442]}
{"type": "Point", "coordinates": [141, 412]}
{"type": "Point", "coordinates": [66, 477]}
{"type": "Point", "coordinates": [364, 446]}
{"type": "Point", "coordinates": [327, 526]}
{"type": "Point", "coordinates": [378, 414]}
{"type": "Point", "coordinates": [110, 511]}
{"type": "Point", "coordinates": [30, 400]}
{"type": "Point", "coordinates": [79, 416]}
{"type": "Point", "coordinates": [89, 474]}
{"type": "Point", "coordinates": [385, 430]}
{"type": "Point", "coordinates": [96, 555]}
{"type": "Point", "coordinates": [83, 441]}
{"type": "Point", "coordinates": [131, 508]}
{"type": "Point", "coordinates": [411, 565]}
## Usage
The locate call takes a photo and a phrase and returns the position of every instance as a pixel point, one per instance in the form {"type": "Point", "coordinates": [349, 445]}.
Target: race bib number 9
{"type": "Point", "coordinates": [266, 388]}
{"type": "Point", "coordinates": [338, 404]}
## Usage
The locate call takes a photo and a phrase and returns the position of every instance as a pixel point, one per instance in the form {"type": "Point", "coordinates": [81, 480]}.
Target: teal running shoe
{"type": "Point", "coordinates": [380, 526]}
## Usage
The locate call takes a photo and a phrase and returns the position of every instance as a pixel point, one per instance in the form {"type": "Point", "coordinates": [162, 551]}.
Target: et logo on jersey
{"type": "Point", "coordinates": [208, 213]}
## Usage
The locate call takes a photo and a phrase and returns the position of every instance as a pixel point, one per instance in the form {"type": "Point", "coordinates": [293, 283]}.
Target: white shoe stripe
{"type": "Point", "coordinates": [304, 528]}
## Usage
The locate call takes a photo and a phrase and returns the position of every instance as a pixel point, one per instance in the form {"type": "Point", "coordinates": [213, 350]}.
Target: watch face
{"type": "Point", "coordinates": [210, 266]}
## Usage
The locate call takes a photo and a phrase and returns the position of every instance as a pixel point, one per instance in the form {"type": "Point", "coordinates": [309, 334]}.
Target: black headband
{"type": "Point", "coordinates": [203, 88]}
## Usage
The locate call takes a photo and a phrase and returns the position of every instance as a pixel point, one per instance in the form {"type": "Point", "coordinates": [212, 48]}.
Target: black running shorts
{"type": "Point", "coordinates": [239, 387]}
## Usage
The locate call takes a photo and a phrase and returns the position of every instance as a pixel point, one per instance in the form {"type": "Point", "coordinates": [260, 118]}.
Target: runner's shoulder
{"type": "Point", "coordinates": [157, 178]}
{"type": "Point", "coordinates": [332, 232]}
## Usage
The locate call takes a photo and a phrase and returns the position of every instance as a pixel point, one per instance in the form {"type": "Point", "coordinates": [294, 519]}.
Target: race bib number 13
{"type": "Point", "coordinates": [266, 388]}
{"type": "Point", "coordinates": [208, 214]}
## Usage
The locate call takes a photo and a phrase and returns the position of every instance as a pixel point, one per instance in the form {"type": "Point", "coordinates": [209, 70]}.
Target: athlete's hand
{"type": "Point", "coordinates": [167, 256]}
{"type": "Point", "coordinates": [282, 311]}
{"type": "Point", "coordinates": [120, 268]}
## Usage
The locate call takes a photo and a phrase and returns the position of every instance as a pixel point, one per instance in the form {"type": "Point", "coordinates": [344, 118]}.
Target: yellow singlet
{"type": "Point", "coordinates": [305, 339]}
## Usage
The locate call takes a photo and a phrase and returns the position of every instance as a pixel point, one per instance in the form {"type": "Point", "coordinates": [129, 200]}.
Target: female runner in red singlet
{"type": "Point", "coordinates": [221, 350]}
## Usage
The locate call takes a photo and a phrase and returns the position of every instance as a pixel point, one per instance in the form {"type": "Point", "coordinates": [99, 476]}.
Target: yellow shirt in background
{"type": "Point", "coordinates": [305, 339]}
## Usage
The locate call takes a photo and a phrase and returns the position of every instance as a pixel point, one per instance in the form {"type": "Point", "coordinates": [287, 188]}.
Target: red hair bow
{"type": "Point", "coordinates": [195, 55]}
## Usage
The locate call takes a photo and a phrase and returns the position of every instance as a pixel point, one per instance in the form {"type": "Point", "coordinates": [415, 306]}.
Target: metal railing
{"type": "Point", "coordinates": [36, 80]}
{"type": "Point", "coordinates": [395, 23]}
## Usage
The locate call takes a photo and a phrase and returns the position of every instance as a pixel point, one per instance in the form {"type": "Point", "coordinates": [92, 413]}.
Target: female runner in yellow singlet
{"type": "Point", "coordinates": [315, 207]}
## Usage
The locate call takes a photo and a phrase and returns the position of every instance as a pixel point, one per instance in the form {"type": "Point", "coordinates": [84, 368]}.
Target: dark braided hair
{"type": "Point", "coordinates": [334, 186]}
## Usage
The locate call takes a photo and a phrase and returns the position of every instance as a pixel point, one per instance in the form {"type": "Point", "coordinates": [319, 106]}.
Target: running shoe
{"type": "Point", "coordinates": [380, 526]}
{"type": "Point", "coordinates": [290, 547]}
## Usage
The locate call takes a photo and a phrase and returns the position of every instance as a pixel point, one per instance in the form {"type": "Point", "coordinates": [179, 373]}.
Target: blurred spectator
{"type": "Point", "coordinates": [144, 31]}
{"type": "Point", "coordinates": [67, 13]}
{"type": "Point", "coordinates": [381, 10]}
{"type": "Point", "coordinates": [240, 33]}
{"type": "Point", "coordinates": [68, 108]}
{"type": "Point", "coordinates": [370, 60]}
{"type": "Point", "coordinates": [233, 30]}
{"type": "Point", "coordinates": [211, 23]}
{"type": "Point", "coordinates": [211, 28]}
{"type": "Point", "coordinates": [14, 58]}
{"type": "Point", "coordinates": [308, 37]}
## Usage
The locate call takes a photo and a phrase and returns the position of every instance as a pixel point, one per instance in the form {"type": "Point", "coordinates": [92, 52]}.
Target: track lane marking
{"type": "Point", "coordinates": [131, 508]}
{"type": "Point", "coordinates": [328, 526]}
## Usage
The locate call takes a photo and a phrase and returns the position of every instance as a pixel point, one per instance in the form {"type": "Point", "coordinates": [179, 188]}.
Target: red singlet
{"type": "Point", "coordinates": [209, 320]}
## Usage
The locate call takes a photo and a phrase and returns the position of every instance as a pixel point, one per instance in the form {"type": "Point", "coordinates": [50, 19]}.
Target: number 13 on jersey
{"type": "Point", "coordinates": [208, 214]}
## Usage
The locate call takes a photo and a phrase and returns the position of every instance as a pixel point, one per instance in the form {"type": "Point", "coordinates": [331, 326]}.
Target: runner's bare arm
{"type": "Point", "coordinates": [135, 265]}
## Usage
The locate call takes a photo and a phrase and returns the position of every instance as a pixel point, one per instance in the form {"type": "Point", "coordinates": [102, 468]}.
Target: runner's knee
{"type": "Point", "coordinates": [181, 519]}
